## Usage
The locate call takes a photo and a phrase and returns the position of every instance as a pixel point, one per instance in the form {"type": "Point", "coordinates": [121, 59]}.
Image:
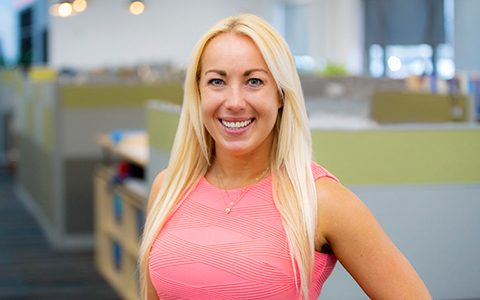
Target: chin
{"type": "Point", "coordinates": [237, 152]}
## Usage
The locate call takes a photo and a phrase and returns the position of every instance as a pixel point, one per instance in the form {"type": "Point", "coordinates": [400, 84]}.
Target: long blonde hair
{"type": "Point", "coordinates": [293, 184]}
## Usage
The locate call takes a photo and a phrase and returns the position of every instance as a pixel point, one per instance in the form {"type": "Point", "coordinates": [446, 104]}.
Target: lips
{"type": "Point", "coordinates": [237, 125]}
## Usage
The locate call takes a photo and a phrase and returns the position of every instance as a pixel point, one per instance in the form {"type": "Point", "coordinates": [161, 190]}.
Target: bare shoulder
{"type": "Point", "coordinates": [337, 208]}
{"type": "Point", "coordinates": [334, 199]}
{"type": "Point", "coordinates": [157, 184]}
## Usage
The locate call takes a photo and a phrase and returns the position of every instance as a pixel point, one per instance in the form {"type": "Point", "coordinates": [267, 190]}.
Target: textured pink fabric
{"type": "Point", "coordinates": [203, 253]}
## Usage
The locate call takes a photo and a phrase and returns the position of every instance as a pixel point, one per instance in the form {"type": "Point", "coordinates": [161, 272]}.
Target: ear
{"type": "Point", "coordinates": [281, 98]}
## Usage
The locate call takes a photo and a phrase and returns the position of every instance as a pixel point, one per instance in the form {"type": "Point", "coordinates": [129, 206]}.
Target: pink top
{"type": "Point", "coordinates": [204, 253]}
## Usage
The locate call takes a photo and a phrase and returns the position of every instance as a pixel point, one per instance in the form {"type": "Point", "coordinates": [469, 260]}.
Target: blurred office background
{"type": "Point", "coordinates": [90, 93]}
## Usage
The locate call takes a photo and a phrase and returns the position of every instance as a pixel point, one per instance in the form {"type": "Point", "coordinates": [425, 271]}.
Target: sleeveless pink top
{"type": "Point", "coordinates": [204, 253]}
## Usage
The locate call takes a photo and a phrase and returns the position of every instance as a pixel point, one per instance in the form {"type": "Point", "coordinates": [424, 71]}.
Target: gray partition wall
{"type": "Point", "coordinates": [59, 125]}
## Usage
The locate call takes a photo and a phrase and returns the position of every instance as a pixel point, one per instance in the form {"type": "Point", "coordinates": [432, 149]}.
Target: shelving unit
{"type": "Point", "coordinates": [119, 214]}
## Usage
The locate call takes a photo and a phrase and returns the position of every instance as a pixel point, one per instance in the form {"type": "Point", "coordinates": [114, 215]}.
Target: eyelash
{"type": "Point", "coordinates": [260, 82]}
{"type": "Point", "coordinates": [212, 81]}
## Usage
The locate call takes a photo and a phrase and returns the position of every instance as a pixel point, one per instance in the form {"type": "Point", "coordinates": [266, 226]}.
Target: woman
{"type": "Point", "coordinates": [242, 212]}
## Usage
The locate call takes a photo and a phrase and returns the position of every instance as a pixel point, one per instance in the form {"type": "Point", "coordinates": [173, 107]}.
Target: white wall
{"type": "Point", "coordinates": [107, 34]}
{"type": "Point", "coordinates": [337, 32]}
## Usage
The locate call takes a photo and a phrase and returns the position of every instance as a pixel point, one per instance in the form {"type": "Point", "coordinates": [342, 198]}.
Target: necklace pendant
{"type": "Point", "coordinates": [227, 210]}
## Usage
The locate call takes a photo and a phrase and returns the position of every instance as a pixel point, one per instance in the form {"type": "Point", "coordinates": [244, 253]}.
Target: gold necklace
{"type": "Point", "coordinates": [228, 209]}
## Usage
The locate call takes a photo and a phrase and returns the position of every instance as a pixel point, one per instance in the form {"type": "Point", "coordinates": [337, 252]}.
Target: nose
{"type": "Point", "coordinates": [235, 99]}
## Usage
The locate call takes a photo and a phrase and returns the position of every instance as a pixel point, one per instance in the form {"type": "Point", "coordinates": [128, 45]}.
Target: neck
{"type": "Point", "coordinates": [237, 171]}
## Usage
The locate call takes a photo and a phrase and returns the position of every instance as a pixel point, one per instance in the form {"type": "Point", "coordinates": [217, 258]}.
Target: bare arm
{"type": "Point", "coordinates": [157, 183]}
{"type": "Point", "coordinates": [347, 226]}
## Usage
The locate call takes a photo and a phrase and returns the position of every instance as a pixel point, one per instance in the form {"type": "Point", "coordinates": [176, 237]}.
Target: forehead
{"type": "Point", "coordinates": [232, 50]}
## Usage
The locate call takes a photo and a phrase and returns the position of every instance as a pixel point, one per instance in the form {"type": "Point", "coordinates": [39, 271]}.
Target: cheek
{"type": "Point", "coordinates": [208, 108]}
{"type": "Point", "coordinates": [208, 102]}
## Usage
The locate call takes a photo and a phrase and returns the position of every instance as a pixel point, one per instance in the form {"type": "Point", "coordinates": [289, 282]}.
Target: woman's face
{"type": "Point", "coordinates": [239, 96]}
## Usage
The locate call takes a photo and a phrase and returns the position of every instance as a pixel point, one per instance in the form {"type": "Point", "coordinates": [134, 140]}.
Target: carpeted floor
{"type": "Point", "coordinates": [30, 269]}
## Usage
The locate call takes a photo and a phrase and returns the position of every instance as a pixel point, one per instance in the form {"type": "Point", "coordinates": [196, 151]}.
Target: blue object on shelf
{"type": "Point", "coordinates": [118, 207]}
{"type": "Point", "coordinates": [117, 255]}
{"type": "Point", "coordinates": [117, 135]}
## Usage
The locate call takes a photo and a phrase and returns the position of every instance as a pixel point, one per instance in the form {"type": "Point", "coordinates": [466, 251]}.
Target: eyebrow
{"type": "Point", "coordinates": [246, 73]}
{"type": "Point", "coordinates": [220, 72]}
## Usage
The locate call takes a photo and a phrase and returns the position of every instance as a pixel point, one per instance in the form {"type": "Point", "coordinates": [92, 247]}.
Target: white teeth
{"type": "Point", "coordinates": [236, 125]}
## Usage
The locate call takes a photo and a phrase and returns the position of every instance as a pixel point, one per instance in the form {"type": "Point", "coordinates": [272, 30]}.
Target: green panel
{"type": "Point", "coordinates": [162, 127]}
{"type": "Point", "coordinates": [48, 129]}
{"type": "Point", "coordinates": [400, 157]}
{"type": "Point", "coordinates": [82, 96]}
{"type": "Point", "coordinates": [394, 107]}
{"type": "Point", "coordinates": [8, 75]}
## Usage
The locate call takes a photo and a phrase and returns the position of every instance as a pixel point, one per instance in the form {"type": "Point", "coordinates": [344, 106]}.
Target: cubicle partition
{"type": "Point", "coordinates": [422, 183]}
{"type": "Point", "coordinates": [35, 171]}
{"type": "Point", "coordinates": [58, 148]}
{"type": "Point", "coordinates": [162, 123]}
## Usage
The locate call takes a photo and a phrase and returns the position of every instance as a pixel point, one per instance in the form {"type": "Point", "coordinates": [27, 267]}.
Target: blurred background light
{"type": "Point", "coordinates": [445, 64]}
{"type": "Point", "coordinates": [137, 7]}
{"type": "Point", "coordinates": [394, 63]}
{"type": "Point", "coordinates": [446, 68]}
{"type": "Point", "coordinates": [423, 50]}
{"type": "Point", "coordinates": [304, 62]}
{"type": "Point", "coordinates": [428, 67]}
{"type": "Point", "coordinates": [376, 51]}
{"type": "Point", "coordinates": [65, 9]}
{"type": "Point", "coordinates": [417, 67]}
{"type": "Point", "coordinates": [79, 5]}
{"type": "Point", "coordinates": [376, 68]}
{"type": "Point", "coordinates": [406, 60]}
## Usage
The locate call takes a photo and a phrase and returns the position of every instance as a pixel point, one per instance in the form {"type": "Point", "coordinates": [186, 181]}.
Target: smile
{"type": "Point", "coordinates": [236, 125]}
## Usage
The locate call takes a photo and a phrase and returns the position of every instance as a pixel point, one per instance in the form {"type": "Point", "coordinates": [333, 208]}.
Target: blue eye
{"type": "Point", "coordinates": [215, 81]}
{"type": "Point", "coordinates": [255, 81]}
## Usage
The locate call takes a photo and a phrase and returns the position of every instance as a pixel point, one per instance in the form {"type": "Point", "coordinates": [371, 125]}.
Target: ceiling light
{"type": "Point", "coordinates": [79, 5]}
{"type": "Point", "coordinates": [137, 7]}
{"type": "Point", "coordinates": [65, 9]}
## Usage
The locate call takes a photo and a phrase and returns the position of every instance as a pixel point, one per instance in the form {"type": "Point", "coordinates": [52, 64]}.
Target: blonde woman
{"type": "Point", "coordinates": [242, 212]}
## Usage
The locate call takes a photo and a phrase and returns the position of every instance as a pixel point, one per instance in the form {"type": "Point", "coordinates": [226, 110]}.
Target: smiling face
{"type": "Point", "coordinates": [239, 96]}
